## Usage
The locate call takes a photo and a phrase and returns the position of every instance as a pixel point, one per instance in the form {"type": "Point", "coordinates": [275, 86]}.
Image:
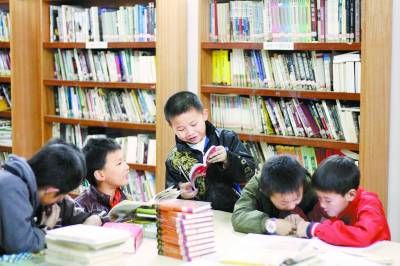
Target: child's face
{"type": "Point", "coordinates": [49, 197]}
{"type": "Point", "coordinates": [115, 171]}
{"type": "Point", "coordinates": [334, 203]}
{"type": "Point", "coordinates": [190, 126]}
{"type": "Point", "coordinates": [287, 201]}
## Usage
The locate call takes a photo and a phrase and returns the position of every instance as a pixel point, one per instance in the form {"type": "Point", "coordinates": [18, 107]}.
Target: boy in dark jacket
{"type": "Point", "coordinates": [29, 187]}
{"type": "Point", "coordinates": [273, 202]}
{"type": "Point", "coordinates": [107, 172]}
{"type": "Point", "coordinates": [356, 216]}
{"type": "Point", "coordinates": [228, 165]}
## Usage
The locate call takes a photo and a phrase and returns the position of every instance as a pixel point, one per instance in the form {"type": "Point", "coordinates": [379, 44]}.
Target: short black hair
{"type": "Point", "coordinates": [282, 174]}
{"type": "Point", "coordinates": [95, 151]}
{"type": "Point", "coordinates": [180, 103]}
{"type": "Point", "coordinates": [60, 165]}
{"type": "Point", "coordinates": [336, 174]}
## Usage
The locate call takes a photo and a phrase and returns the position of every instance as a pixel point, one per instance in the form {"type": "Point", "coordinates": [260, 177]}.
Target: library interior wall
{"type": "Point", "coordinates": [394, 135]}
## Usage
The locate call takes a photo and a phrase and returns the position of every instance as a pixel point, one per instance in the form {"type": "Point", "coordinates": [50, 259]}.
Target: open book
{"type": "Point", "coordinates": [128, 207]}
{"type": "Point", "coordinates": [200, 169]}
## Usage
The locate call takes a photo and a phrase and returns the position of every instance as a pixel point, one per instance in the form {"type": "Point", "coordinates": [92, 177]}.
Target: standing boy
{"type": "Point", "coordinates": [228, 165]}
{"type": "Point", "coordinates": [282, 191]}
{"type": "Point", "coordinates": [28, 187]}
{"type": "Point", "coordinates": [356, 216]}
{"type": "Point", "coordinates": [107, 173]}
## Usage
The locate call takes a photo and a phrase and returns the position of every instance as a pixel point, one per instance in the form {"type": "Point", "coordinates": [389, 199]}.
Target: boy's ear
{"type": "Point", "coordinates": [205, 113]}
{"type": "Point", "coordinates": [98, 174]}
{"type": "Point", "coordinates": [350, 195]}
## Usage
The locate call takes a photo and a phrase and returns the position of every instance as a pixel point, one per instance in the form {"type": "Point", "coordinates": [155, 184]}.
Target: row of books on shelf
{"type": "Point", "coordinates": [285, 20]}
{"type": "Point", "coordinates": [5, 97]}
{"type": "Point", "coordinates": [5, 63]}
{"type": "Point", "coordinates": [287, 117]}
{"type": "Point", "coordinates": [140, 148]}
{"type": "Point", "coordinates": [5, 132]}
{"type": "Point", "coordinates": [110, 105]}
{"type": "Point", "coordinates": [124, 65]}
{"type": "Point", "coordinates": [287, 70]}
{"type": "Point", "coordinates": [309, 157]}
{"type": "Point", "coordinates": [141, 186]}
{"type": "Point", "coordinates": [125, 23]}
{"type": "Point", "coordinates": [4, 25]}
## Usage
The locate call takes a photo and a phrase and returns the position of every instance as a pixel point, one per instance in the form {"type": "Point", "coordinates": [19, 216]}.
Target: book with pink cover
{"type": "Point", "coordinates": [200, 169]}
{"type": "Point", "coordinates": [181, 205]}
{"type": "Point", "coordinates": [136, 234]}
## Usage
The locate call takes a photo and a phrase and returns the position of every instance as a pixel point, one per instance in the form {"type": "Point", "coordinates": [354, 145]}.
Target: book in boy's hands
{"type": "Point", "coordinates": [200, 169]}
{"type": "Point", "coordinates": [127, 207]}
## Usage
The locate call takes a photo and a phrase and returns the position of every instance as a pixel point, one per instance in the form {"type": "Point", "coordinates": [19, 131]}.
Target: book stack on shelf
{"type": "Point", "coordinates": [85, 245]}
{"type": "Point", "coordinates": [289, 72]}
{"type": "Point", "coordinates": [185, 229]}
{"type": "Point", "coordinates": [100, 78]}
{"type": "Point", "coordinates": [5, 88]}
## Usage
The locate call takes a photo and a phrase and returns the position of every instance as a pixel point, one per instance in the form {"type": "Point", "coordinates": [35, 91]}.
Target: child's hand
{"type": "Point", "coordinates": [283, 227]}
{"type": "Point", "coordinates": [301, 230]}
{"type": "Point", "coordinates": [93, 220]}
{"type": "Point", "coordinates": [50, 220]}
{"type": "Point", "coordinates": [219, 155]}
{"type": "Point", "coordinates": [187, 191]}
{"type": "Point", "coordinates": [294, 219]}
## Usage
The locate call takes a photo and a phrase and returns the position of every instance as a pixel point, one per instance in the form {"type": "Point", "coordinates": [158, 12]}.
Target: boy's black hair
{"type": "Point", "coordinates": [282, 174]}
{"type": "Point", "coordinates": [96, 150]}
{"type": "Point", "coordinates": [336, 174]}
{"type": "Point", "coordinates": [180, 103]}
{"type": "Point", "coordinates": [59, 165]}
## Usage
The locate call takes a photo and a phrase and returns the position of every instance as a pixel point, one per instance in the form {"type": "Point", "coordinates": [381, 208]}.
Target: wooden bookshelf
{"type": "Point", "coordinates": [142, 167]}
{"type": "Point", "coordinates": [5, 114]}
{"type": "Point", "coordinates": [280, 93]}
{"type": "Point", "coordinates": [312, 46]}
{"type": "Point", "coordinates": [5, 148]}
{"type": "Point", "coordinates": [92, 84]}
{"type": "Point", "coordinates": [100, 123]}
{"type": "Point", "coordinates": [4, 44]}
{"type": "Point", "coordinates": [110, 45]}
{"type": "Point", "coordinates": [5, 79]}
{"type": "Point", "coordinates": [299, 141]}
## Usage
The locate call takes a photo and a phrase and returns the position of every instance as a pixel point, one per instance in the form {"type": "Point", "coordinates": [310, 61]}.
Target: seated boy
{"type": "Point", "coordinates": [228, 165]}
{"type": "Point", "coordinates": [28, 187]}
{"type": "Point", "coordinates": [282, 191]}
{"type": "Point", "coordinates": [356, 216]}
{"type": "Point", "coordinates": [107, 172]}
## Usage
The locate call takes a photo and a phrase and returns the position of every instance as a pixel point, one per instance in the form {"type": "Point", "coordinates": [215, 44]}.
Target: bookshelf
{"type": "Point", "coordinates": [373, 94]}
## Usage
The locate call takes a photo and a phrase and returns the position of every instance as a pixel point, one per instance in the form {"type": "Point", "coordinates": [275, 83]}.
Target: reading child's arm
{"type": "Point", "coordinates": [246, 217]}
{"type": "Point", "coordinates": [240, 164]}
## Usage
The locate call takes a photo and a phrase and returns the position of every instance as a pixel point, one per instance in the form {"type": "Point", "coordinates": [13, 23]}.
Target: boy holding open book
{"type": "Point", "coordinates": [107, 173]}
{"type": "Point", "coordinates": [227, 164]}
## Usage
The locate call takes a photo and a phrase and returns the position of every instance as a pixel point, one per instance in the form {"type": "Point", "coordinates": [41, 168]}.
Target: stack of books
{"type": "Point", "coordinates": [185, 229]}
{"type": "Point", "coordinates": [85, 245]}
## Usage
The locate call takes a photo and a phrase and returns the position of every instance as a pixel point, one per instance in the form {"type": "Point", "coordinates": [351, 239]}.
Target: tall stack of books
{"type": "Point", "coordinates": [185, 229]}
{"type": "Point", "coordinates": [85, 245]}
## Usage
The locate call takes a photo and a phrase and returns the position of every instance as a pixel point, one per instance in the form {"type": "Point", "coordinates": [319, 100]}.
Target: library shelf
{"type": "Point", "coordinates": [4, 44]}
{"type": "Point", "coordinates": [91, 84]}
{"type": "Point", "coordinates": [4, 148]}
{"type": "Point", "coordinates": [322, 95]}
{"type": "Point", "coordinates": [99, 123]}
{"type": "Point", "coordinates": [297, 46]}
{"type": "Point", "coordinates": [142, 167]}
{"type": "Point", "coordinates": [5, 79]}
{"type": "Point", "coordinates": [299, 141]}
{"type": "Point", "coordinates": [5, 114]}
{"type": "Point", "coordinates": [109, 45]}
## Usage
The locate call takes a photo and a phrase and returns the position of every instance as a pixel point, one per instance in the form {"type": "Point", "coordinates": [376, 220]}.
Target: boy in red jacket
{"type": "Point", "coordinates": [356, 216]}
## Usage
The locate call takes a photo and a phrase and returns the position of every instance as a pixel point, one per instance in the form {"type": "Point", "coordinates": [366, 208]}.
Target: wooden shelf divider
{"type": "Point", "coordinates": [142, 167]}
{"type": "Point", "coordinates": [91, 84]}
{"type": "Point", "coordinates": [110, 45]}
{"type": "Point", "coordinates": [326, 46]}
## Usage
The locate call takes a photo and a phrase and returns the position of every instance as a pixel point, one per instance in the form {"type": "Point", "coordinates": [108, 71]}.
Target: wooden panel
{"type": "Point", "coordinates": [299, 141]}
{"type": "Point", "coordinates": [91, 84]}
{"type": "Point", "coordinates": [5, 79]}
{"type": "Point", "coordinates": [25, 76]}
{"type": "Point", "coordinates": [280, 93]}
{"type": "Point", "coordinates": [99, 123]}
{"type": "Point", "coordinates": [142, 167]}
{"type": "Point", "coordinates": [5, 114]}
{"type": "Point", "coordinates": [375, 104]}
{"type": "Point", "coordinates": [5, 149]}
{"type": "Point", "coordinates": [4, 44]}
{"type": "Point", "coordinates": [110, 45]}
{"type": "Point", "coordinates": [171, 49]}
